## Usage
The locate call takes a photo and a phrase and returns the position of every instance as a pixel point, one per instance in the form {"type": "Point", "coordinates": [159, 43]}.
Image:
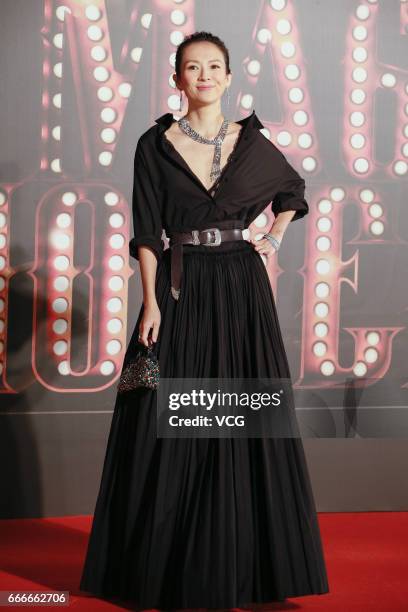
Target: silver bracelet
{"type": "Point", "coordinates": [274, 242]}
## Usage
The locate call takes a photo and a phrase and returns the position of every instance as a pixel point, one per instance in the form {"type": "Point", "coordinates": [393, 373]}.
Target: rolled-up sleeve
{"type": "Point", "coordinates": [291, 192]}
{"type": "Point", "coordinates": [147, 218]}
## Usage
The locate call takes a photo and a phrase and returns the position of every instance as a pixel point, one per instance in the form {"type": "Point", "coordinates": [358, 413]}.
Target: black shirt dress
{"type": "Point", "coordinates": [206, 522]}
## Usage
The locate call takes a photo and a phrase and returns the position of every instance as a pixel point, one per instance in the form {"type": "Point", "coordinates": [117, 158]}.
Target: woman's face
{"type": "Point", "coordinates": [203, 76]}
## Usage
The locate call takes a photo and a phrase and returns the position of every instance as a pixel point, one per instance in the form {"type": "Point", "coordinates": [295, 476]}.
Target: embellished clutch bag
{"type": "Point", "coordinates": [142, 371]}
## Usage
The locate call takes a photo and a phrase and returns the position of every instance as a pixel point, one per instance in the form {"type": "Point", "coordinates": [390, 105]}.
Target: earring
{"type": "Point", "coordinates": [228, 97]}
{"type": "Point", "coordinates": [181, 100]}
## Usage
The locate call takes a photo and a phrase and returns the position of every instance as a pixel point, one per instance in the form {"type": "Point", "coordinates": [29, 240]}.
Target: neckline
{"type": "Point", "coordinates": [213, 188]}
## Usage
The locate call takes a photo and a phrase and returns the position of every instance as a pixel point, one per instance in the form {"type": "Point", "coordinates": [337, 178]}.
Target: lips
{"type": "Point", "coordinates": [204, 87]}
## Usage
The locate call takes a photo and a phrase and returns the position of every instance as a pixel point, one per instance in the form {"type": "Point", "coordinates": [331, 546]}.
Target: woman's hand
{"type": "Point", "coordinates": [264, 246]}
{"type": "Point", "coordinates": [151, 319]}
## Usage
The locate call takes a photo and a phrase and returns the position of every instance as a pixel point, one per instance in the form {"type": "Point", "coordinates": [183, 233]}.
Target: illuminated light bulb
{"type": "Point", "coordinates": [288, 49]}
{"type": "Point", "coordinates": [376, 228]}
{"type": "Point", "coordinates": [324, 224]}
{"type": "Point", "coordinates": [309, 164]}
{"type": "Point", "coordinates": [69, 198]}
{"type": "Point", "coordinates": [371, 355]}
{"type": "Point", "coordinates": [116, 283]}
{"type": "Point", "coordinates": [63, 368]}
{"type": "Point", "coordinates": [283, 27]}
{"type": "Point", "coordinates": [60, 12]}
{"type": "Point", "coordinates": [360, 368]}
{"type": "Point", "coordinates": [61, 283]}
{"type": "Point", "coordinates": [357, 141]}
{"type": "Point", "coordinates": [105, 158]}
{"type": "Point", "coordinates": [323, 243]}
{"type": "Point", "coordinates": [284, 138]}
{"type": "Point", "coordinates": [176, 37]}
{"type": "Point", "coordinates": [55, 165]}
{"type": "Point", "coordinates": [295, 95]}
{"type": "Point", "coordinates": [104, 93]}
{"type": "Point", "coordinates": [58, 69]}
{"type": "Point", "coordinates": [108, 135]}
{"type": "Point", "coordinates": [145, 20]}
{"type": "Point", "coordinates": [116, 263]}
{"type": "Point", "coordinates": [136, 54]}
{"type": "Point", "coordinates": [321, 330]}
{"type": "Point", "coordinates": [321, 309]}
{"type": "Point", "coordinates": [357, 119]}
{"type": "Point", "coordinates": [246, 101]}
{"type": "Point", "coordinates": [59, 240]}
{"type": "Point", "coordinates": [292, 72]}
{"type": "Point", "coordinates": [253, 67]}
{"type": "Point", "coordinates": [101, 74]}
{"type": "Point", "coordinates": [108, 115]}
{"type": "Point", "coordinates": [117, 241]}
{"type": "Point", "coordinates": [325, 206]}
{"type": "Point", "coordinates": [93, 13]}
{"type": "Point", "coordinates": [114, 304]}
{"type": "Point", "coordinates": [322, 290]}
{"type": "Point", "coordinates": [319, 349]}
{"type": "Point", "coordinates": [361, 165]}
{"type": "Point", "coordinates": [56, 132]}
{"type": "Point", "coordinates": [113, 347]}
{"type": "Point", "coordinates": [358, 96]}
{"type": "Point", "coordinates": [125, 90]}
{"type": "Point", "coordinates": [60, 305]}
{"type": "Point", "coordinates": [362, 12]}
{"type": "Point", "coordinates": [114, 326]}
{"type": "Point", "coordinates": [94, 33]}
{"type": "Point", "coordinates": [173, 102]}
{"type": "Point", "coordinates": [373, 338]}
{"type": "Point", "coordinates": [366, 195]}
{"type": "Point", "coordinates": [56, 100]}
{"type": "Point", "coordinates": [375, 210]}
{"type": "Point", "coordinates": [111, 198]}
{"type": "Point", "coordinates": [264, 36]}
{"type": "Point", "coordinates": [58, 40]}
{"type": "Point", "coordinates": [360, 33]}
{"type": "Point", "coordinates": [277, 5]}
{"type": "Point", "coordinates": [61, 263]}
{"type": "Point", "coordinates": [400, 168]}
{"type": "Point", "coordinates": [305, 140]}
{"type": "Point", "coordinates": [59, 326]}
{"type": "Point", "coordinates": [116, 220]}
{"type": "Point", "coordinates": [360, 54]}
{"type": "Point", "coordinates": [359, 75]}
{"type": "Point", "coordinates": [327, 368]}
{"type": "Point", "coordinates": [388, 80]}
{"type": "Point", "coordinates": [322, 266]}
{"type": "Point", "coordinates": [107, 367]}
{"type": "Point", "coordinates": [337, 194]}
{"type": "Point", "coordinates": [60, 347]}
{"type": "Point", "coordinates": [177, 17]}
{"type": "Point", "coordinates": [300, 118]}
{"type": "Point", "coordinates": [98, 53]}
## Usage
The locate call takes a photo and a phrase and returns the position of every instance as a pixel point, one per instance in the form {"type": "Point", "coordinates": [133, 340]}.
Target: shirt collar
{"type": "Point", "coordinates": [251, 120]}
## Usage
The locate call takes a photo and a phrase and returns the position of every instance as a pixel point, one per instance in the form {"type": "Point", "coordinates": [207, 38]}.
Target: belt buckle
{"type": "Point", "coordinates": [217, 236]}
{"type": "Point", "coordinates": [196, 239]}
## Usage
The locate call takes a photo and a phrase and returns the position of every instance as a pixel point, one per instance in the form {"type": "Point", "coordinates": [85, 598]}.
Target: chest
{"type": "Point", "coordinates": [198, 156]}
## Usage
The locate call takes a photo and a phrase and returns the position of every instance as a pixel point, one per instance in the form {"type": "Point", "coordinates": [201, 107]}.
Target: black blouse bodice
{"type": "Point", "coordinates": [167, 195]}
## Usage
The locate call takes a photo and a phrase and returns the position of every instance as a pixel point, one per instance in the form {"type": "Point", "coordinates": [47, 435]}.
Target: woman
{"type": "Point", "coordinates": [209, 523]}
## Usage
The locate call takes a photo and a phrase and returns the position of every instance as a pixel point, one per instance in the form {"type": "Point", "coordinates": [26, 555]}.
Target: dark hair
{"type": "Point", "coordinates": [198, 37]}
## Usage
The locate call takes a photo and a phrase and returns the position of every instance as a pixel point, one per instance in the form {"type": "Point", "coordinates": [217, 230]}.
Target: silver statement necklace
{"type": "Point", "coordinates": [185, 126]}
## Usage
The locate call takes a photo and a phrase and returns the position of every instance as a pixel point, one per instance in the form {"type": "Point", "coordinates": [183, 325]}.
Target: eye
{"type": "Point", "coordinates": [215, 66]}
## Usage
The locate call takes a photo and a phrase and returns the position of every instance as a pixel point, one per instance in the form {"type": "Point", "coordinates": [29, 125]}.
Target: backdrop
{"type": "Point", "coordinates": [80, 81]}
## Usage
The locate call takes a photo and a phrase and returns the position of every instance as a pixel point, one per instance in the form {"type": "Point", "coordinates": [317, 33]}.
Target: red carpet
{"type": "Point", "coordinates": [366, 555]}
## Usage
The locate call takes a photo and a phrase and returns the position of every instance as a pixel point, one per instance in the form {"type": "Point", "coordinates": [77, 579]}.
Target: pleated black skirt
{"type": "Point", "coordinates": [205, 522]}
